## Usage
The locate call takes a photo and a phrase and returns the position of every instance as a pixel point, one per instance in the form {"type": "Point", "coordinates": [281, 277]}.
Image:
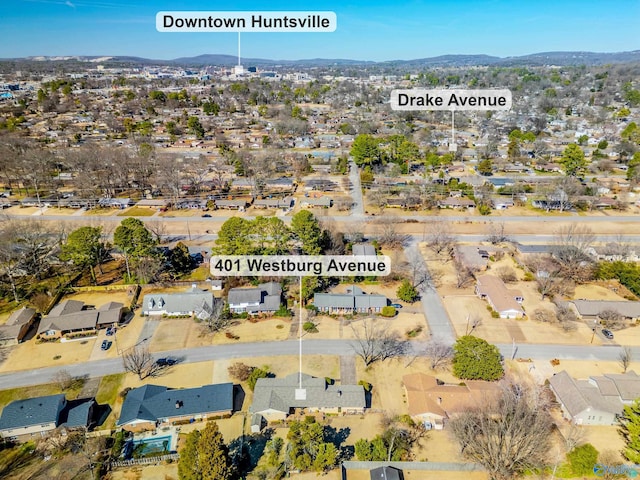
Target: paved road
{"type": "Point", "coordinates": [100, 368]}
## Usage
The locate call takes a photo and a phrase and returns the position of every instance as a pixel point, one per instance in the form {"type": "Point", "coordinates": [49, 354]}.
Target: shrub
{"type": "Point", "coordinates": [407, 292]}
{"type": "Point", "coordinates": [256, 373]}
{"type": "Point", "coordinates": [388, 311]}
{"type": "Point", "coordinates": [310, 327]}
{"type": "Point", "coordinates": [240, 371]}
{"type": "Point", "coordinates": [283, 311]}
{"type": "Point", "coordinates": [366, 385]}
{"type": "Point", "coordinates": [582, 459]}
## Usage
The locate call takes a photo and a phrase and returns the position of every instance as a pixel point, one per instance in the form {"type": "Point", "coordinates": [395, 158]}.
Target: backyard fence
{"type": "Point", "coordinates": [146, 460]}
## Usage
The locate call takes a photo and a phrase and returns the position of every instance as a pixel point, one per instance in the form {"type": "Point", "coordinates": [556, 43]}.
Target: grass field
{"type": "Point", "coordinates": [137, 212]}
{"type": "Point", "coordinates": [21, 393]}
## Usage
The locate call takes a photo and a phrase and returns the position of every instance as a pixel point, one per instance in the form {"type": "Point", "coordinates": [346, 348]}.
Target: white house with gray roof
{"type": "Point", "coordinates": [354, 300]}
{"type": "Point", "coordinates": [591, 309]}
{"type": "Point", "coordinates": [36, 417]}
{"type": "Point", "coordinates": [275, 398]}
{"type": "Point", "coordinates": [193, 302]}
{"type": "Point", "coordinates": [265, 298]}
{"type": "Point", "coordinates": [595, 401]}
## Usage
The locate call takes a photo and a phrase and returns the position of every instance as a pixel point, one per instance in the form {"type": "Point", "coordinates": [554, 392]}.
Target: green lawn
{"type": "Point", "coordinates": [199, 274]}
{"type": "Point", "coordinates": [137, 212]}
{"type": "Point", "coordinates": [21, 393]}
{"type": "Point", "coordinates": [109, 388]}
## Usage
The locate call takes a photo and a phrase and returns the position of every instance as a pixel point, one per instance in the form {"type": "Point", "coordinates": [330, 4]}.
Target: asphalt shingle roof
{"type": "Point", "coordinates": [31, 411]}
{"type": "Point", "coordinates": [152, 402]}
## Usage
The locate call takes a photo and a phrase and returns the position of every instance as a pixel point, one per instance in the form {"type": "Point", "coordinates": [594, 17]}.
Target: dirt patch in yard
{"type": "Point", "coordinates": [31, 355]}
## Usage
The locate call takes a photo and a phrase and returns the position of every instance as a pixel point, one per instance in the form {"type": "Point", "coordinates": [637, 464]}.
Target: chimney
{"type": "Point", "coordinates": [339, 393]}
{"type": "Point", "coordinates": [178, 403]}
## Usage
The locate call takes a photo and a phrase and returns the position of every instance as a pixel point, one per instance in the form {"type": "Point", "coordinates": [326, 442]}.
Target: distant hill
{"type": "Point", "coordinates": [535, 59]}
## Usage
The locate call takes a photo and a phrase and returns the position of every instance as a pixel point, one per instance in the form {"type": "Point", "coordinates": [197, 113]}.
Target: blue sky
{"type": "Point", "coordinates": [367, 30]}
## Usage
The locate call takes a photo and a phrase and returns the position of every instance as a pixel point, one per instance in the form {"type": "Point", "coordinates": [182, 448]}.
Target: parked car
{"type": "Point", "coordinates": [206, 215]}
{"type": "Point", "coordinates": [110, 331]}
{"type": "Point", "coordinates": [396, 305]}
{"type": "Point", "coordinates": [166, 361]}
{"type": "Point", "coordinates": [106, 345]}
{"type": "Point", "coordinates": [607, 333]}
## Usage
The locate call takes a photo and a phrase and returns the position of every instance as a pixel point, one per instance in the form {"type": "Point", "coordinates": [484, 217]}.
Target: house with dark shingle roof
{"type": "Point", "coordinates": [72, 316]}
{"type": "Point", "coordinates": [275, 398]}
{"type": "Point", "coordinates": [595, 401]}
{"type": "Point", "coordinates": [149, 406]}
{"type": "Point", "coordinates": [193, 302]}
{"type": "Point", "coordinates": [265, 298]}
{"type": "Point", "coordinates": [353, 301]}
{"type": "Point", "coordinates": [17, 326]}
{"type": "Point", "coordinates": [386, 473]}
{"type": "Point", "coordinates": [36, 417]}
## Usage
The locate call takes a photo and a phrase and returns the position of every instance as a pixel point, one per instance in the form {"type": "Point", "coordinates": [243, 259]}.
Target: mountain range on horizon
{"type": "Point", "coordinates": [454, 60]}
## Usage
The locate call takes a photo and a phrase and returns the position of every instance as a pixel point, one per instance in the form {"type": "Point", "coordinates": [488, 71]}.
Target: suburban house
{"type": "Point", "coordinates": [276, 398]}
{"type": "Point", "coordinates": [474, 258]}
{"type": "Point", "coordinates": [321, 202]}
{"type": "Point", "coordinates": [453, 202]}
{"type": "Point", "coordinates": [591, 309]}
{"type": "Point", "coordinates": [17, 326]}
{"type": "Point", "coordinates": [149, 406]}
{"type": "Point", "coordinates": [432, 403]}
{"type": "Point", "coordinates": [74, 317]}
{"type": "Point", "coordinates": [595, 401]}
{"type": "Point", "coordinates": [193, 302]}
{"type": "Point", "coordinates": [284, 203]}
{"type": "Point", "coordinates": [503, 300]}
{"type": "Point", "coordinates": [24, 419]}
{"type": "Point", "coordinates": [353, 301]}
{"type": "Point", "coordinates": [265, 298]}
{"type": "Point", "coordinates": [240, 205]}
{"type": "Point", "coordinates": [386, 473]}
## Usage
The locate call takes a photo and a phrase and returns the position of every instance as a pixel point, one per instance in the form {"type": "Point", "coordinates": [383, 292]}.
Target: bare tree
{"type": "Point", "coordinates": [508, 434]}
{"type": "Point", "coordinates": [497, 233]}
{"type": "Point", "coordinates": [374, 342]}
{"type": "Point", "coordinates": [463, 273]}
{"type": "Point", "coordinates": [158, 228]}
{"type": "Point", "coordinates": [63, 379]}
{"type": "Point", "coordinates": [625, 358]}
{"type": "Point", "coordinates": [439, 237]}
{"type": "Point", "coordinates": [574, 436]}
{"type": "Point", "coordinates": [612, 319]}
{"type": "Point", "coordinates": [389, 235]}
{"type": "Point", "coordinates": [438, 353]}
{"type": "Point", "coordinates": [139, 360]}
{"type": "Point", "coordinates": [216, 320]}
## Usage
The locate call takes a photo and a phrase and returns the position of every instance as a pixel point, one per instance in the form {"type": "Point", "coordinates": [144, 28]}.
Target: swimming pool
{"type": "Point", "coordinates": [152, 445]}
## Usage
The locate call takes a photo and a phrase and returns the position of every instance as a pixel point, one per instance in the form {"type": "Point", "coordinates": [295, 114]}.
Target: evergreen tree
{"type": "Point", "coordinates": [85, 249]}
{"type": "Point", "coordinates": [189, 464]}
{"type": "Point", "coordinates": [213, 454]}
{"type": "Point", "coordinates": [135, 241]}
{"type": "Point", "coordinates": [630, 431]}
{"type": "Point", "coordinates": [305, 226]}
{"type": "Point", "coordinates": [476, 359]}
{"type": "Point", "coordinates": [573, 161]}
{"type": "Point", "coordinates": [407, 292]}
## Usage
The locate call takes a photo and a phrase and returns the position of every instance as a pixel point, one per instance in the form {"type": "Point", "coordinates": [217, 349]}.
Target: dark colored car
{"type": "Point", "coordinates": [166, 361]}
{"type": "Point", "coordinates": [396, 305]}
{"type": "Point", "coordinates": [110, 331]}
{"type": "Point", "coordinates": [206, 215]}
{"type": "Point", "coordinates": [607, 333]}
{"type": "Point", "coordinates": [106, 345]}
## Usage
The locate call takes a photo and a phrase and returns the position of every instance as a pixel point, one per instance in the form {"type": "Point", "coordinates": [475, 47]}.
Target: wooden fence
{"type": "Point", "coordinates": [146, 460]}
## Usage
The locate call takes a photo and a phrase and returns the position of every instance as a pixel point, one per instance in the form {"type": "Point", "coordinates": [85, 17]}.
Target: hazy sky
{"type": "Point", "coordinates": [367, 30]}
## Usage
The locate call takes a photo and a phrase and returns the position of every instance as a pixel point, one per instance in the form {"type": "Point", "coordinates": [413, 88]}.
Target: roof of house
{"type": "Point", "coordinates": [629, 309]}
{"type": "Point", "coordinates": [69, 315]}
{"type": "Point", "coordinates": [605, 393]}
{"type": "Point", "coordinates": [279, 394]}
{"type": "Point", "coordinates": [425, 395]}
{"type": "Point", "coordinates": [363, 249]}
{"type": "Point", "coordinates": [285, 202]}
{"type": "Point", "coordinates": [11, 329]}
{"type": "Point", "coordinates": [323, 201]}
{"type": "Point", "coordinates": [152, 402]}
{"type": "Point", "coordinates": [192, 300]}
{"type": "Point", "coordinates": [76, 413]}
{"type": "Point", "coordinates": [31, 411]}
{"type": "Point", "coordinates": [265, 297]}
{"type": "Point", "coordinates": [534, 248]}
{"type": "Point", "coordinates": [502, 298]}
{"type": "Point", "coordinates": [385, 473]}
{"type": "Point", "coordinates": [353, 298]}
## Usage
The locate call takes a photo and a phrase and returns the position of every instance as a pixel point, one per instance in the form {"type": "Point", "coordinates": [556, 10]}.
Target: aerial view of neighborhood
{"type": "Point", "coordinates": [353, 242]}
